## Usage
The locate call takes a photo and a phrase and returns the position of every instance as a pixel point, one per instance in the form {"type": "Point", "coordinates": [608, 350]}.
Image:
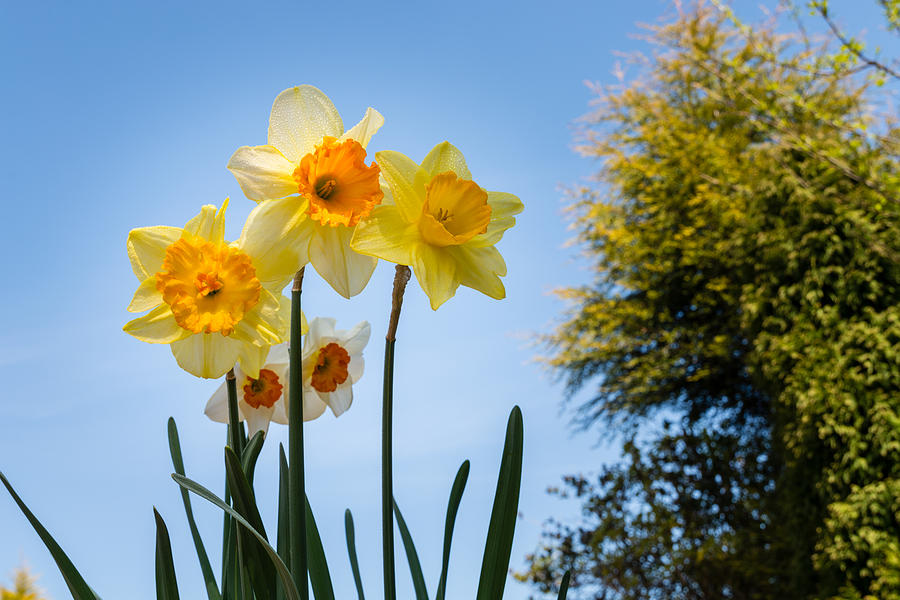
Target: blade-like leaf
{"type": "Point", "coordinates": [250, 453]}
{"type": "Point", "coordinates": [497, 548]}
{"type": "Point", "coordinates": [280, 567]}
{"type": "Point", "coordinates": [259, 567]}
{"type": "Point", "coordinates": [209, 579]}
{"type": "Point", "coordinates": [564, 586]}
{"type": "Point", "coordinates": [456, 492]}
{"type": "Point", "coordinates": [77, 585]}
{"type": "Point", "coordinates": [412, 557]}
{"type": "Point", "coordinates": [166, 583]}
{"type": "Point", "coordinates": [351, 550]}
{"type": "Point", "coordinates": [318, 566]}
{"type": "Point", "coordinates": [284, 526]}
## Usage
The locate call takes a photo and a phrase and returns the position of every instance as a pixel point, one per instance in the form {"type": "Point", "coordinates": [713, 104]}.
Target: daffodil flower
{"type": "Point", "coordinates": [332, 362]}
{"type": "Point", "coordinates": [442, 224]}
{"type": "Point", "coordinates": [215, 303]}
{"type": "Point", "coordinates": [263, 399]}
{"type": "Point", "coordinates": [313, 185]}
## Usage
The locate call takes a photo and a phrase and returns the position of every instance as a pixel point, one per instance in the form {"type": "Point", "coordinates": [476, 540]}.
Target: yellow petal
{"type": "Point", "coordinates": [446, 157]}
{"type": "Point", "coordinates": [478, 268]}
{"type": "Point", "coordinates": [209, 224]}
{"type": "Point", "coordinates": [406, 180]}
{"type": "Point", "coordinates": [503, 207]}
{"type": "Point", "coordinates": [208, 355]}
{"type": "Point", "coordinates": [363, 131]}
{"type": "Point", "coordinates": [276, 238]}
{"type": "Point", "coordinates": [435, 271]}
{"type": "Point", "coordinates": [385, 234]}
{"type": "Point", "coordinates": [345, 270]}
{"type": "Point", "coordinates": [252, 358]}
{"type": "Point", "coordinates": [263, 172]}
{"type": "Point", "coordinates": [146, 296]}
{"type": "Point", "coordinates": [156, 327]}
{"type": "Point", "coordinates": [264, 324]}
{"type": "Point", "coordinates": [147, 248]}
{"type": "Point", "coordinates": [301, 117]}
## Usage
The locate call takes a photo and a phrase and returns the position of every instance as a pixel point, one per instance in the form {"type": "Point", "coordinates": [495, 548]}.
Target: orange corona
{"type": "Point", "coordinates": [340, 188]}
{"type": "Point", "coordinates": [264, 391]}
{"type": "Point", "coordinates": [208, 286]}
{"type": "Point", "coordinates": [330, 369]}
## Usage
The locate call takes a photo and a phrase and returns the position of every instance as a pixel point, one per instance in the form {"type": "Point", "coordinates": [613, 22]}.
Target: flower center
{"type": "Point", "coordinates": [264, 391]}
{"type": "Point", "coordinates": [331, 368]}
{"type": "Point", "coordinates": [340, 187]}
{"type": "Point", "coordinates": [208, 286]}
{"type": "Point", "coordinates": [455, 210]}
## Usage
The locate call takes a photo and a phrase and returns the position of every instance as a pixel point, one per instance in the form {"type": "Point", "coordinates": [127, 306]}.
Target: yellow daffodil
{"type": "Point", "coordinates": [332, 363]}
{"type": "Point", "coordinates": [313, 184]}
{"type": "Point", "coordinates": [263, 399]}
{"type": "Point", "coordinates": [215, 303]}
{"type": "Point", "coordinates": [442, 224]}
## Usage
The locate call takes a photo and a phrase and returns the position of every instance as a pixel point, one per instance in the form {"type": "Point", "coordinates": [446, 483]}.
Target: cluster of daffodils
{"type": "Point", "coordinates": [219, 304]}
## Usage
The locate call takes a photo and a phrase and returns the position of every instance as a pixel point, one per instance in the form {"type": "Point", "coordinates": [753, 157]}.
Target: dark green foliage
{"type": "Point", "coordinates": [746, 243]}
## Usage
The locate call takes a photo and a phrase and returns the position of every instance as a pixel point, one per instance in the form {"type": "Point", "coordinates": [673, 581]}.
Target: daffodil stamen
{"type": "Point", "coordinates": [455, 210]}
{"type": "Point", "coordinates": [208, 286]}
{"type": "Point", "coordinates": [340, 187]}
{"type": "Point", "coordinates": [330, 369]}
{"type": "Point", "coordinates": [263, 391]}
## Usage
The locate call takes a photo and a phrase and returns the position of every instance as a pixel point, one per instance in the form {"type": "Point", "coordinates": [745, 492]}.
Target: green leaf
{"type": "Point", "coordinates": [259, 567]}
{"type": "Point", "coordinates": [497, 548]}
{"type": "Point", "coordinates": [351, 550]}
{"type": "Point", "coordinates": [250, 454]}
{"type": "Point", "coordinates": [283, 572]}
{"type": "Point", "coordinates": [456, 492]}
{"type": "Point", "coordinates": [166, 584]}
{"type": "Point", "coordinates": [77, 585]}
{"type": "Point", "coordinates": [412, 557]}
{"type": "Point", "coordinates": [564, 586]}
{"type": "Point", "coordinates": [284, 525]}
{"type": "Point", "coordinates": [212, 588]}
{"type": "Point", "coordinates": [318, 566]}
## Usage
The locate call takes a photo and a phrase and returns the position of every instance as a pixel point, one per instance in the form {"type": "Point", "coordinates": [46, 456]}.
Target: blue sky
{"type": "Point", "coordinates": [121, 115]}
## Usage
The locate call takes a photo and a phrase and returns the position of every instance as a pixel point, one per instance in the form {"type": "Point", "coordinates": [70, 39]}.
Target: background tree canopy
{"type": "Point", "coordinates": [743, 329]}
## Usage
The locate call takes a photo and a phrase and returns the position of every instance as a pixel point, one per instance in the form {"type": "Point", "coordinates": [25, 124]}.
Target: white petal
{"type": "Point", "coordinates": [356, 339]}
{"type": "Point", "coordinates": [346, 271]}
{"type": "Point", "coordinates": [217, 406]}
{"type": "Point", "coordinates": [263, 172]}
{"type": "Point", "coordinates": [356, 367]}
{"type": "Point", "coordinates": [313, 407]}
{"type": "Point", "coordinates": [320, 328]}
{"type": "Point", "coordinates": [258, 419]}
{"type": "Point", "coordinates": [363, 131]}
{"type": "Point", "coordinates": [340, 399]}
{"type": "Point", "coordinates": [301, 116]}
{"type": "Point", "coordinates": [278, 355]}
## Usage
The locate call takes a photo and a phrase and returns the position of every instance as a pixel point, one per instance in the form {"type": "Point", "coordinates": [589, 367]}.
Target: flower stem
{"type": "Point", "coordinates": [234, 423]}
{"type": "Point", "coordinates": [296, 483]}
{"type": "Point", "coordinates": [401, 278]}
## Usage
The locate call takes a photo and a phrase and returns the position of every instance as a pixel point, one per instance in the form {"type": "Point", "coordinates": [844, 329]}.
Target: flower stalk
{"type": "Point", "coordinates": [234, 423]}
{"type": "Point", "coordinates": [296, 477]}
{"type": "Point", "coordinates": [401, 278]}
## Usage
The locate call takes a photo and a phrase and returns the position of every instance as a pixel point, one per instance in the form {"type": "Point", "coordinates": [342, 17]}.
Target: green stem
{"type": "Point", "coordinates": [401, 278]}
{"type": "Point", "coordinates": [296, 483]}
{"type": "Point", "coordinates": [234, 424]}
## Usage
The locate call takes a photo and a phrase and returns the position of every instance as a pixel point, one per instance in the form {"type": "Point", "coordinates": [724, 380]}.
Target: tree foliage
{"type": "Point", "coordinates": [743, 328]}
{"type": "Point", "coordinates": [24, 588]}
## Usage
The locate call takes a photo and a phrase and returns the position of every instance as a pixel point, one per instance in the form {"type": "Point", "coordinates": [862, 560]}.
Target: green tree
{"type": "Point", "coordinates": [24, 588]}
{"type": "Point", "coordinates": [743, 330]}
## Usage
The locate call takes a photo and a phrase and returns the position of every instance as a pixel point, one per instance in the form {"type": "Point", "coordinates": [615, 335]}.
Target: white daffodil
{"type": "Point", "coordinates": [264, 399]}
{"type": "Point", "coordinates": [333, 362]}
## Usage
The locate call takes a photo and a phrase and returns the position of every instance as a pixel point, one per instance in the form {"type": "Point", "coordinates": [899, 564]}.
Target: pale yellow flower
{"type": "Point", "coordinates": [442, 224]}
{"type": "Point", "coordinates": [215, 303]}
{"type": "Point", "coordinates": [313, 185]}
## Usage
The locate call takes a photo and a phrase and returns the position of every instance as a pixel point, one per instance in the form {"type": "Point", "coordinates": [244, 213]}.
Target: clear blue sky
{"type": "Point", "coordinates": [120, 115]}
